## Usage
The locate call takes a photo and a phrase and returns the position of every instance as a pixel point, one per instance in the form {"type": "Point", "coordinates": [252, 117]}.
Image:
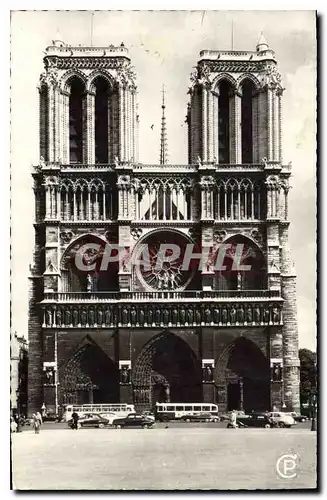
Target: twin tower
{"type": "Point", "coordinates": [127, 334]}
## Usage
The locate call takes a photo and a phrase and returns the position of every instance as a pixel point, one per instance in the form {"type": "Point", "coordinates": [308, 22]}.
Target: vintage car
{"type": "Point", "coordinates": [298, 417]}
{"type": "Point", "coordinates": [200, 417]}
{"type": "Point", "coordinates": [254, 420]}
{"type": "Point", "coordinates": [134, 420]}
{"type": "Point", "coordinates": [281, 418]}
{"type": "Point", "coordinates": [91, 420]}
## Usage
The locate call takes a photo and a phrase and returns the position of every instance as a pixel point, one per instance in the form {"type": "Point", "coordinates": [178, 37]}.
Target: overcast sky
{"type": "Point", "coordinates": [164, 46]}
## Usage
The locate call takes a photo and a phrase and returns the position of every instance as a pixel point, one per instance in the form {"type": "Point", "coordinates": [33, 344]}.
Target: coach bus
{"type": "Point", "coordinates": [175, 411]}
{"type": "Point", "coordinates": [109, 411]}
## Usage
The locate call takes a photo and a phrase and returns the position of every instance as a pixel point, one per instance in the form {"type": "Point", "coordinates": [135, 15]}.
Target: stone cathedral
{"type": "Point", "coordinates": [126, 333]}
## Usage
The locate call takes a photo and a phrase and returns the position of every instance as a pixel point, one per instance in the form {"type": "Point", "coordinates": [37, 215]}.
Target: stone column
{"type": "Point", "coordinates": [255, 128]}
{"type": "Point", "coordinates": [90, 127]}
{"type": "Point", "coordinates": [204, 123]}
{"type": "Point", "coordinates": [51, 122]}
{"type": "Point", "coordinates": [276, 356]}
{"type": "Point", "coordinates": [276, 135]}
{"type": "Point", "coordinates": [280, 124]}
{"type": "Point", "coordinates": [210, 129]}
{"type": "Point", "coordinates": [270, 128]}
{"type": "Point", "coordinates": [235, 136]}
{"type": "Point", "coordinates": [262, 124]}
{"type": "Point", "coordinates": [65, 127]}
{"type": "Point", "coordinates": [121, 107]}
{"type": "Point", "coordinates": [290, 329]}
{"type": "Point", "coordinates": [215, 125]}
{"type": "Point", "coordinates": [133, 124]}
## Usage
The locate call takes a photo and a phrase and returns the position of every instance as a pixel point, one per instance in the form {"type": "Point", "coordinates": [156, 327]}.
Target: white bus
{"type": "Point", "coordinates": [110, 411]}
{"type": "Point", "coordinates": [173, 411]}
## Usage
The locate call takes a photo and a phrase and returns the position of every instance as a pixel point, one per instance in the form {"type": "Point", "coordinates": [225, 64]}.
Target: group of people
{"type": "Point", "coordinates": [17, 422]}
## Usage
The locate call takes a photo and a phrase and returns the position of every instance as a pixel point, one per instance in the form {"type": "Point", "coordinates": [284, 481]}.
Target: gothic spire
{"type": "Point", "coordinates": [163, 138]}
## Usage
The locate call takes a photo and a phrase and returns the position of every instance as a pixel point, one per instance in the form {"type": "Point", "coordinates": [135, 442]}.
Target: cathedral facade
{"type": "Point", "coordinates": [127, 332]}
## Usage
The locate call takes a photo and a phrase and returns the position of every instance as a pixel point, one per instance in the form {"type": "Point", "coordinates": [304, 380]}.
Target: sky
{"type": "Point", "coordinates": [164, 47]}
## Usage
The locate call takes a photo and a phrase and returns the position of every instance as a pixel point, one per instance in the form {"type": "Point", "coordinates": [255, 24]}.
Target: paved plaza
{"type": "Point", "coordinates": [158, 459]}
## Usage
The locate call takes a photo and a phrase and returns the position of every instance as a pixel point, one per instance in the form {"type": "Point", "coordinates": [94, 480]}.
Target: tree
{"type": "Point", "coordinates": [308, 375]}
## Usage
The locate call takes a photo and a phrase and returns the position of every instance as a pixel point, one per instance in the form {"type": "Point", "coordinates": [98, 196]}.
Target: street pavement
{"type": "Point", "coordinates": [182, 456]}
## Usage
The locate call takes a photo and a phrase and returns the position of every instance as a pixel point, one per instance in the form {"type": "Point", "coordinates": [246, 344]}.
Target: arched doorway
{"type": "Point", "coordinates": [90, 377]}
{"type": "Point", "coordinates": [166, 370]}
{"type": "Point", "coordinates": [244, 271]}
{"type": "Point", "coordinates": [243, 378]}
{"type": "Point", "coordinates": [99, 279]}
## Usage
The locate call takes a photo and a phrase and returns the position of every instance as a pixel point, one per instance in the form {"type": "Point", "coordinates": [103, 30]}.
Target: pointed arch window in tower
{"type": "Point", "coordinates": [246, 124]}
{"type": "Point", "coordinates": [223, 125]}
{"type": "Point", "coordinates": [76, 105]}
{"type": "Point", "coordinates": [101, 121]}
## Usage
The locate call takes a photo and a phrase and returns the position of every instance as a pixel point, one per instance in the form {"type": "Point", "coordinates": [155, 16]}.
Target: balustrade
{"type": "Point", "coordinates": [95, 315]}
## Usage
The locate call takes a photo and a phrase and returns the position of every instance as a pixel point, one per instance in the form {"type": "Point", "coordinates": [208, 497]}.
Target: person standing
{"type": "Point", "coordinates": [36, 423]}
{"type": "Point", "coordinates": [233, 419]}
{"type": "Point", "coordinates": [75, 420]}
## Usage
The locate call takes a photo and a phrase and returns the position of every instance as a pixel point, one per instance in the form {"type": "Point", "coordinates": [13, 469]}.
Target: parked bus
{"type": "Point", "coordinates": [110, 411]}
{"type": "Point", "coordinates": [173, 411]}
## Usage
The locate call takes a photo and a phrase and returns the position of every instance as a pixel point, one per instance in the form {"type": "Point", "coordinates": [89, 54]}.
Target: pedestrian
{"type": "Point", "coordinates": [233, 419]}
{"type": "Point", "coordinates": [39, 416]}
{"type": "Point", "coordinates": [75, 418]}
{"type": "Point", "coordinates": [36, 423]}
{"type": "Point", "coordinates": [13, 425]}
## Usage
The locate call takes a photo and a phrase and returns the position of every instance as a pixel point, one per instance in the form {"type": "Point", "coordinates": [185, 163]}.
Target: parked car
{"type": "Point", "coordinates": [254, 420]}
{"type": "Point", "coordinates": [282, 419]}
{"type": "Point", "coordinates": [134, 420]}
{"type": "Point", "coordinates": [200, 417]}
{"type": "Point", "coordinates": [91, 420]}
{"type": "Point", "coordinates": [298, 417]}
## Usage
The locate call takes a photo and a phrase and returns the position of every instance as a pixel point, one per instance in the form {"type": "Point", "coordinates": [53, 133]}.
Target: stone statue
{"type": "Point", "coordinates": [167, 394]}
{"type": "Point", "coordinates": [58, 317]}
{"type": "Point", "coordinates": [216, 316]}
{"type": "Point", "coordinates": [158, 316]}
{"type": "Point", "coordinates": [150, 316]}
{"type": "Point", "coordinates": [208, 373]}
{"type": "Point", "coordinates": [249, 314]}
{"type": "Point", "coordinates": [207, 315]}
{"type": "Point", "coordinates": [67, 317]}
{"type": "Point", "coordinates": [124, 375]}
{"type": "Point", "coordinates": [190, 316]}
{"type": "Point", "coordinates": [107, 316]}
{"type": "Point", "coordinates": [141, 316]}
{"type": "Point", "coordinates": [83, 317]}
{"type": "Point", "coordinates": [174, 316]}
{"type": "Point", "coordinates": [75, 317]}
{"type": "Point", "coordinates": [266, 315]}
{"type": "Point", "coordinates": [232, 314]}
{"type": "Point", "coordinates": [165, 316]}
{"type": "Point", "coordinates": [239, 281]}
{"type": "Point", "coordinates": [125, 319]}
{"type": "Point", "coordinates": [49, 317]}
{"type": "Point", "coordinates": [133, 316]}
{"type": "Point", "coordinates": [198, 316]}
{"type": "Point", "coordinates": [182, 316]}
{"type": "Point", "coordinates": [257, 314]}
{"type": "Point", "coordinates": [89, 283]}
{"type": "Point", "coordinates": [241, 314]}
{"type": "Point", "coordinates": [100, 316]}
{"type": "Point", "coordinates": [276, 315]}
{"type": "Point", "coordinates": [224, 316]}
{"type": "Point", "coordinates": [91, 317]}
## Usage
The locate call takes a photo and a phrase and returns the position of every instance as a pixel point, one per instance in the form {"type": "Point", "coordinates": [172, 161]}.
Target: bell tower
{"type": "Point", "coordinates": [235, 135]}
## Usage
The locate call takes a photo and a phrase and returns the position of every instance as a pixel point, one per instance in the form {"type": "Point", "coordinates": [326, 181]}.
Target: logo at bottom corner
{"type": "Point", "coordinates": [287, 465]}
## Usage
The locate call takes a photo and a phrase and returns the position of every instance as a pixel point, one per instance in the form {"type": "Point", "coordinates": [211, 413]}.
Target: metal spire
{"type": "Point", "coordinates": [163, 138]}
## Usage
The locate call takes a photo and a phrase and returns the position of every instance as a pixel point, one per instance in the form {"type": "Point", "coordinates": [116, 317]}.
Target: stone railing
{"type": "Point", "coordinates": [180, 314]}
{"type": "Point", "coordinates": [159, 295]}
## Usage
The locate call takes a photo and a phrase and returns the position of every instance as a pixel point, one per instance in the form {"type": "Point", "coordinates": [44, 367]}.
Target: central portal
{"type": "Point", "coordinates": [167, 370]}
